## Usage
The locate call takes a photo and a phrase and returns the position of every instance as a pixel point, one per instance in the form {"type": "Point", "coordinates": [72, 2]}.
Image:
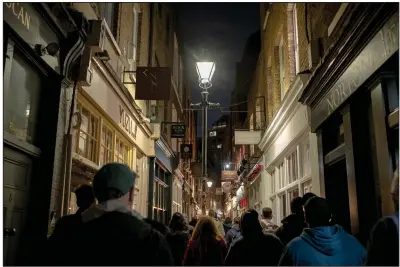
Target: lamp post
{"type": "Point", "coordinates": [205, 71]}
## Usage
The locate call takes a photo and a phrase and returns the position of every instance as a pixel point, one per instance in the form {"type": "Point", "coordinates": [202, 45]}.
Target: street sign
{"type": "Point", "coordinates": [186, 151]}
{"type": "Point", "coordinates": [153, 83]}
{"type": "Point", "coordinates": [178, 131]}
{"type": "Point", "coordinates": [227, 176]}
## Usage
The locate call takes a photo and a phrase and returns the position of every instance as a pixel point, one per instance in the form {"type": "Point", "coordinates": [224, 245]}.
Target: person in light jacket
{"type": "Point", "coordinates": [218, 224]}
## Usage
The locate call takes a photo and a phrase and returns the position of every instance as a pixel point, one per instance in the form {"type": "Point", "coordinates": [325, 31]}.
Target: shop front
{"type": "Point", "coordinates": [108, 130]}
{"type": "Point", "coordinates": [160, 196]}
{"type": "Point", "coordinates": [34, 86]}
{"type": "Point", "coordinates": [355, 116]}
{"type": "Point", "coordinates": [254, 180]}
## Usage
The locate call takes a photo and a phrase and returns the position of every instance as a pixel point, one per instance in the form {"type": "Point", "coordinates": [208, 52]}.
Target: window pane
{"type": "Point", "coordinates": [22, 99]}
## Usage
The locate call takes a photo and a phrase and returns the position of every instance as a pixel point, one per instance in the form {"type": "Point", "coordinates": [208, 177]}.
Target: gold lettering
{"type": "Point", "coordinates": [121, 115]}
{"type": "Point", "coordinates": [13, 9]}
{"type": "Point", "coordinates": [9, 5]}
{"type": "Point", "coordinates": [21, 15]}
{"type": "Point", "coordinates": [27, 20]}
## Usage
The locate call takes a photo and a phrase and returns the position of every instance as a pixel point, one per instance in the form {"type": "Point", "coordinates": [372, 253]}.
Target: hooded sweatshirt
{"type": "Point", "coordinates": [323, 246]}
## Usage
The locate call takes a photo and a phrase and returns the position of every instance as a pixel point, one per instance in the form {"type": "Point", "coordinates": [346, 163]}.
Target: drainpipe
{"type": "Point", "coordinates": [68, 159]}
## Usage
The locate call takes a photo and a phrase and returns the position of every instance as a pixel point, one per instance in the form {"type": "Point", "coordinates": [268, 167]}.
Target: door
{"type": "Point", "coordinates": [17, 169]}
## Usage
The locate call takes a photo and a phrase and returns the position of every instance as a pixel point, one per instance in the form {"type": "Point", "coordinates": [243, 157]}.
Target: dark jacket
{"type": "Point", "coordinates": [323, 246]}
{"type": "Point", "coordinates": [255, 250]}
{"type": "Point", "coordinates": [292, 227]}
{"type": "Point", "coordinates": [116, 239]}
{"type": "Point", "coordinates": [213, 254]}
{"type": "Point", "coordinates": [232, 235]}
{"type": "Point", "coordinates": [383, 246]}
{"type": "Point", "coordinates": [178, 242]}
{"type": "Point", "coordinates": [227, 227]}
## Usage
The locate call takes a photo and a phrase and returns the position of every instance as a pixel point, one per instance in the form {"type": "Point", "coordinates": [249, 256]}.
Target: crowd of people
{"type": "Point", "coordinates": [108, 232]}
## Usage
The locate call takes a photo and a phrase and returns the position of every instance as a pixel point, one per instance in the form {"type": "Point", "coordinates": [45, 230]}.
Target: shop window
{"type": "Point", "coordinates": [273, 180]}
{"type": "Point", "coordinates": [22, 91]}
{"type": "Point", "coordinates": [307, 187]}
{"type": "Point", "coordinates": [87, 138]}
{"type": "Point", "coordinates": [292, 167]}
{"type": "Point", "coordinates": [293, 193]}
{"type": "Point", "coordinates": [281, 173]}
{"type": "Point", "coordinates": [122, 152]}
{"type": "Point", "coordinates": [106, 155]}
{"type": "Point", "coordinates": [305, 158]}
{"type": "Point", "coordinates": [282, 200]}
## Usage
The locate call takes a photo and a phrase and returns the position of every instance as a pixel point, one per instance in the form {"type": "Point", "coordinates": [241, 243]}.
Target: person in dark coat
{"type": "Point", "coordinates": [207, 247]}
{"type": "Point", "coordinates": [111, 234]}
{"type": "Point", "coordinates": [254, 248]}
{"type": "Point", "coordinates": [69, 224]}
{"type": "Point", "coordinates": [233, 234]}
{"type": "Point", "coordinates": [383, 245]}
{"type": "Point", "coordinates": [193, 222]}
{"type": "Point", "coordinates": [179, 238]}
{"type": "Point", "coordinates": [322, 244]}
{"type": "Point", "coordinates": [293, 225]}
{"type": "Point", "coordinates": [160, 227]}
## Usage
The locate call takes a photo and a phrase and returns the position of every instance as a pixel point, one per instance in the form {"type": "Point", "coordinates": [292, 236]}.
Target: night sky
{"type": "Point", "coordinates": [215, 32]}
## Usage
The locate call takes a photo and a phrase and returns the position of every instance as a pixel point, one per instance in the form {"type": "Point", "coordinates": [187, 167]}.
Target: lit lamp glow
{"type": "Point", "coordinates": [205, 70]}
{"type": "Point", "coordinates": [209, 183]}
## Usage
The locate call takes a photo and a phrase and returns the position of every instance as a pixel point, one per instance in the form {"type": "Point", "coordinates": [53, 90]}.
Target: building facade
{"type": "Point", "coordinates": [38, 42]}
{"type": "Point", "coordinates": [354, 114]}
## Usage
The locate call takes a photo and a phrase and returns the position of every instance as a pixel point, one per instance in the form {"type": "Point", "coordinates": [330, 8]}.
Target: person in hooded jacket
{"type": "Point", "coordinates": [233, 234]}
{"type": "Point", "coordinates": [111, 234]}
{"type": "Point", "coordinates": [179, 238]}
{"type": "Point", "coordinates": [254, 248]}
{"type": "Point", "coordinates": [293, 225]}
{"type": "Point", "coordinates": [383, 245]}
{"type": "Point", "coordinates": [322, 244]}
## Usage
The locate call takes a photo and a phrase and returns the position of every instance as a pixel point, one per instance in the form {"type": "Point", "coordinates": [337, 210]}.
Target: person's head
{"type": "Point", "coordinates": [306, 197]}
{"type": "Point", "coordinates": [177, 222]}
{"type": "Point", "coordinates": [84, 196]}
{"type": "Point", "coordinates": [205, 229]}
{"type": "Point", "coordinates": [236, 220]}
{"type": "Point", "coordinates": [296, 206]}
{"type": "Point", "coordinates": [212, 213]}
{"type": "Point", "coordinates": [250, 224]}
{"type": "Point", "coordinates": [317, 212]}
{"type": "Point", "coordinates": [160, 227]}
{"type": "Point", "coordinates": [114, 181]}
{"type": "Point", "coordinates": [228, 220]}
{"type": "Point", "coordinates": [267, 213]}
{"type": "Point", "coordinates": [395, 189]}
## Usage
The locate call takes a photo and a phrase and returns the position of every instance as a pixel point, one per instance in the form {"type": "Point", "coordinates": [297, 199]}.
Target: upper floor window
{"type": "Point", "coordinates": [295, 39]}
{"type": "Point", "coordinates": [109, 12]}
{"type": "Point", "coordinates": [87, 137]}
{"type": "Point", "coordinates": [282, 68]}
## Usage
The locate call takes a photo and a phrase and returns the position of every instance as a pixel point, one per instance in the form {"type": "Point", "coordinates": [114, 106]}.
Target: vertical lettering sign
{"type": "Point", "coordinates": [372, 57]}
{"type": "Point", "coordinates": [178, 131]}
{"type": "Point", "coordinates": [127, 122]}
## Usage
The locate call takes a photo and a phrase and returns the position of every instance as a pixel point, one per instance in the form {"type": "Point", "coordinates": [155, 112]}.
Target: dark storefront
{"type": "Point", "coordinates": [33, 83]}
{"type": "Point", "coordinates": [160, 190]}
{"type": "Point", "coordinates": [353, 98]}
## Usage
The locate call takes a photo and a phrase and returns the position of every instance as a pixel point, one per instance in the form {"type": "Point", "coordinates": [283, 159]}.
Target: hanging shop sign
{"type": "Point", "coordinates": [246, 137]}
{"type": "Point", "coordinates": [178, 131]}
{"type": "Point", "coordinates": [153, 83]}
{"type": "Point", "coordinates": [244, 203]}
{"type": "Point", "coordinates": [227, 176]}
{"type": "Point", "coordinates": [186, 151]}
{"type": "Point", "coordinates": [127, 122]}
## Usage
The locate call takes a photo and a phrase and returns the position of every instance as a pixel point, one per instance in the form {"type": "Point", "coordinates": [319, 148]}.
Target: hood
{"type": "Point", "coordinates": [100, 209]}
{"type": "Point", "coordinates": [227, 225]}
{"type": "Point", "coordinates": [326, 239]}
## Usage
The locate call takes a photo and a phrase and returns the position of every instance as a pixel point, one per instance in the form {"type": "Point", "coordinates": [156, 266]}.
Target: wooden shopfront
{"type": "Point", "coordinates": [353, 98]}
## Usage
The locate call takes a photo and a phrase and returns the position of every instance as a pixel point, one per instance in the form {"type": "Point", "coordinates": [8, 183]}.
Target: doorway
{"type": "Point", "coordinates": [337, 194]}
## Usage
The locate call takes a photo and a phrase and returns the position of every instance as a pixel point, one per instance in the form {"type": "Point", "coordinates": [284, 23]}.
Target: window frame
{"type": "Point", "coordinates": [282, 69]}
{"type": "Point", "coordinates": [296, 40]}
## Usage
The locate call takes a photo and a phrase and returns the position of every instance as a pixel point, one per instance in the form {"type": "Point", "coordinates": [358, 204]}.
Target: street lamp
{"type": "Point", "coordinates": [205, 71]}
{"type": "Point", "coordinates": [209, 183]}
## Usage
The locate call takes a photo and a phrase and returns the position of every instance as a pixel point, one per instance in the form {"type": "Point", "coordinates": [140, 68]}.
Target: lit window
{"type": "Point", "coordinates": [87, 138]}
